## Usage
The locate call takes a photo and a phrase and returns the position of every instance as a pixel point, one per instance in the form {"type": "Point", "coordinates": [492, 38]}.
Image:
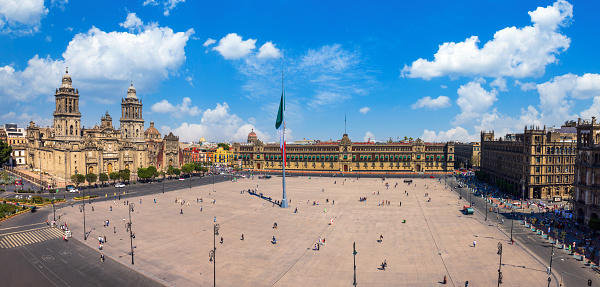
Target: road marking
{"type": "Point", "coordinates": [27, 237]}
{"type": "Point", "coordinates": [63, 260]}
{"type": "Point", "coordinates": [21, 226]}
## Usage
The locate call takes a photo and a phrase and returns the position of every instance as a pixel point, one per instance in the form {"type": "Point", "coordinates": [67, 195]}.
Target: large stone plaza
{"type": "Point", "coordinates": [436, 240]}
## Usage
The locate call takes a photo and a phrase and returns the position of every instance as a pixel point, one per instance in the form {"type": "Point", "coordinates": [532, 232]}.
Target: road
{"type": "Point", "coordinates": [564, 266]}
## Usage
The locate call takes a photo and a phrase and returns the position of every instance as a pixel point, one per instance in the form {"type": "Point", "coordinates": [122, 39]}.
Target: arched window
{"type": "Point", "coordinates": [71, 132]}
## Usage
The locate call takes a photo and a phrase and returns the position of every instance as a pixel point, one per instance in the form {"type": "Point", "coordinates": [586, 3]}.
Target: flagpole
{"type": "Point", "coordinates": [284, 201]}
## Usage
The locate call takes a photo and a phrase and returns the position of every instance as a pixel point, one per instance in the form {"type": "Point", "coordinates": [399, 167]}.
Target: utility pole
{"type": "Point", "coordinates": [53, 210]}
{"type": "Point", "coordinates": [128, 226]}
{"type": "Point", "coordinates": [354, 253]}
{"type": "Point", "coordinates": [212, 253]}
{"type": "Point", "coordinates": [512, 223]}
{"type": "Point", "coordinates": [550, 268]}
{"type": "Point", "coordinates": [84, 230]}
{"type": "Point", "coordinates": [500, 266]}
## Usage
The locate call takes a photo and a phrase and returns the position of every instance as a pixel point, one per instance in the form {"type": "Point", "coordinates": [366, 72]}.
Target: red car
{"type": "Point", "coordinates": [431, 176]}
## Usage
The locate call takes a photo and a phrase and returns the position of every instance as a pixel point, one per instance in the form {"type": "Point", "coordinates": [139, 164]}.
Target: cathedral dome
{"type": "Point", "coordinates": [66, 80]}
{"type": "Point", "coordinates": [152, 130]}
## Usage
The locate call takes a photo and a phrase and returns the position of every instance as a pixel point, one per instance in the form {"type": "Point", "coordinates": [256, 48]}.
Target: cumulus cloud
{"type": "Point", "coordinates": [432, 104]}
{"type": "Point", "coordinates": [364, 110]}
{"type": "Point", "coordinates": [179, 110]}
{"type": "Point", "coordinates": [499, 83]}
{"type": "Point", "coordinates": [592, 111]}
{"type": "Point", "coordinates": [217, 124]}
{"type": "Point", "coordinates": [101, 63]}
{"type": "Point", "coordinates": [21, 17]}
{"type": "Point", "coordinates": [268, 51]}
{"type": "Point", "coordinates": [453, 134]}
{"type": "Point", "coordinates": [369, 136]}
{"type": "Point", "coordinates": [132, 22]}
{"type": "Point", "coordinates": [209, 42]}
{"type": "Point", "coordinates": [514, 52]}
{"type": "Point", "coordinates": [526, 86]}
{"type": "Point", "coordinates": [232, 46]}
{"type": "Point", "coordinates": [326, 98]}
{"type": "Point", "coordinates": [473, 100]}
{"type": "Point", "coordinates": [24, 118]}
{"type": "Point", "coordinates": [167, 5]}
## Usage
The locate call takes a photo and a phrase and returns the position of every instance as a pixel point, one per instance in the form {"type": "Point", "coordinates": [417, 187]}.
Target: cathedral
{"type": "Point", "coordinates": [68, 148]}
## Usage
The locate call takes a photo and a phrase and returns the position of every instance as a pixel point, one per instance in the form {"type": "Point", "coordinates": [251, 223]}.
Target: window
{"type": "Point", "coordinates": [418, 157]}
{"type": "Point", "coordinates": [537, 179]}
{"type": "Point", "coordinates": [537, 159]}
{"type": "Point", "coordinates": [549, 178]}
{"type": "Point", "coordinates": [549, 169]}
{"type": "Point", "coordinates": [537, 169]}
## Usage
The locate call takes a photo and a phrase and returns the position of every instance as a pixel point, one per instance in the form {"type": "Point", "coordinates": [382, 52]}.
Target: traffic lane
{"type": "Point", "coordinates": [562, 262]}
{"type": "Point", "coordinates": [26, 221]}
{"type": "Point", "coordinates": [72, 264]}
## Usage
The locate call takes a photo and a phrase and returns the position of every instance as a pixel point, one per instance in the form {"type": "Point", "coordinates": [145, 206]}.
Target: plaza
{"type": "Point", "coordinates": [436, 239]}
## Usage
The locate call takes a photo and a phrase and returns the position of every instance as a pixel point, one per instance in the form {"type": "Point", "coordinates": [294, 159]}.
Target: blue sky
{"type": "Point", "coordinates": [437, 70]}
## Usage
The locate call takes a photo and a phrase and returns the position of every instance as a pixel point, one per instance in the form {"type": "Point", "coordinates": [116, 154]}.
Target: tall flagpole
{"type": "Point", "coordinates": [284, 201]}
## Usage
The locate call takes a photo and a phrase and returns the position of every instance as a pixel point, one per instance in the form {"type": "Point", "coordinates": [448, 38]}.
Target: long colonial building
{"type": "Point", "coordinates": [67, 148]}
{"type": "Point", "coordinates": [586, 201]}
{"type": "Point", "coordinates": [468, 154]}
{"type": "Point", "coordinates": [538, 163]}
{"type": "Point", "coordinates": [345, 156]}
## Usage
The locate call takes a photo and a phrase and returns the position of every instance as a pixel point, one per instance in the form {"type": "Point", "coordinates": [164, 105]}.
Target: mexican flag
{"type": "Point", "coordinates": [280, 126]}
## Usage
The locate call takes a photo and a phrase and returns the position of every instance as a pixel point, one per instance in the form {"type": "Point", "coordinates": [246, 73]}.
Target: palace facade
{"type": "Point", "coordinates": [68, 148]}
{"type": "Point", "coordinates": [537, 163]}
{"type": "Point", "coordinates": [586, 196]}
{"type": "Point", "coordinates": [346, 156]}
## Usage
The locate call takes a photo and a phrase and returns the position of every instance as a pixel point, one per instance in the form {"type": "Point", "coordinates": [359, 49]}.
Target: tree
{"type": "Point", "coordinates": [177, 171]}
{"type": "Point", "coordinates": [170, 170]}
{"type": "Point", "coordinates": [125, 174]}
{"type": "Point", "coordinates": [152, 171]}
{"type": "Point", "coordinates": [143, 173]}
{"type": "Point", "coordinates": [103, 177]}
{"type": "Point", "coordinates": [78, 179]}
{"type": "Point", "coordinates": [5, 151]}
{"type": "Point", "coordinates": [187, 168]}
{"type": "Point", "coordinates": [410, 138]}
{"type": "Point", "coordinates": [114, 176]}
{"type": "Point", "coordinates": [91, 178]}
{"type": "Point", "coordinates": [223, 145]}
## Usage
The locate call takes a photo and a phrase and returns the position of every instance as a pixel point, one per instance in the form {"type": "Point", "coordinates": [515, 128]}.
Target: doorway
{"type": "Point", "coordinates": [345, 168]}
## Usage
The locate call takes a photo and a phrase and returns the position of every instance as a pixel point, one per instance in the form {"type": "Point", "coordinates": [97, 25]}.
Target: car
{"type": "Point", "coordinates": [73, 190]}
{"type": "Point", "coordinates": [119, 185]}
{"type": "Point", "coordinates": [181, 178]}
{"type": "Point", "coordinates": [431, 176]}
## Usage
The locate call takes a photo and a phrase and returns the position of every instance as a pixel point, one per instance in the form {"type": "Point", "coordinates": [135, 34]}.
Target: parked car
{"type": "Point", "coordinates": [119, 185]}
{"type": "Point", "coordinates": [181, 178]}
{"type": "Point", "coordinates": [73, 190]}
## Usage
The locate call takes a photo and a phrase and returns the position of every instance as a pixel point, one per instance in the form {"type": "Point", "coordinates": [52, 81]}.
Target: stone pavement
{"type": "Point", "coordinates": [435, 241]}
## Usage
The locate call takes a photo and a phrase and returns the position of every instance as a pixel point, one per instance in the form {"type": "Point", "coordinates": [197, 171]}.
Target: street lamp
{"type": "Point", "coordinates": [512, 222]}
{"type": "Point", "coordinates": [354, 253]}
{"type": "Point", "coordinates": [53, 210]}
{"type": "Point", "coordinates": [500, 266]}
{"type": "Point", "coordinates": [84, 230]}
{"type": "Point", "coordinates": [550, 268]}
{"type": "Point", "coordinates": [128, 227]}
{"type": "Point", "coordinates": [212, 253]}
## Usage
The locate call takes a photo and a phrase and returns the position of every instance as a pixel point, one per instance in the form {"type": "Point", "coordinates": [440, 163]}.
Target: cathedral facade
{"type": "Point", "coordinates": [68, 148]}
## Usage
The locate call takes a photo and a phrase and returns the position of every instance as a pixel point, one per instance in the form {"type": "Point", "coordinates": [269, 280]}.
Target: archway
{"type": "Point", "coordinates": [91, 169]}
{"type": "Point", "coordinates": [109, 168]}
{"type": "Point", "coordinates": [594, 215]}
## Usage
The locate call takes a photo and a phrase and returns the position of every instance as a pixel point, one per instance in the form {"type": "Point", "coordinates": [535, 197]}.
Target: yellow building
{"type": "Point", "coordinates": [223, 157]}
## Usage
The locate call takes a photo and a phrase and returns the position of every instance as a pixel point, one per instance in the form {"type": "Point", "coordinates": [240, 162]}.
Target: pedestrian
{"type": "Point", "coordinates": [320, 240]}
{"type": "Point", "coordinates": [102, 257]}
{"type": "Point", "coordinates": [221, 240]}
{"type": "Point", "coordinates": [474, 243]}
{"type": "Point", "coordinates": [296, 210]}
{"type": "Point", "coordinates": [200, 208]}
{"type": "Point", "coordinates": [155, 200]}
{"type": "Point", "coordinates": [114, 229]}
{"type": "Point", "coordinates": [381, 238]}
{"type": "Point", "coordinates": [323, 241]}
{"type": "Point", "coordinates": [104, 238]}
{"type": "Point", "coordinates": [216, 221]}
{"type": "Point", "coordinates": [181, 212]}
{"type": "Point", "coordinates": [242, 237]}
{"type": "Point", "coordinates": [111, 208]}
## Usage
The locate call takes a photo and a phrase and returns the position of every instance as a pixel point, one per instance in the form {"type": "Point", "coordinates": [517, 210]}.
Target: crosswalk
{"type": "Point", "coordinates": [29, 237]}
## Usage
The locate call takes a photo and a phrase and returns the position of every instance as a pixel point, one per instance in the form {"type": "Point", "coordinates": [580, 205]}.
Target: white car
{"type": "Point", "coordinates": [119, 185]}
{"type": "Point", "coordinates": [73, 190]}
{"type": "Point", "coordinates": [181, 178]}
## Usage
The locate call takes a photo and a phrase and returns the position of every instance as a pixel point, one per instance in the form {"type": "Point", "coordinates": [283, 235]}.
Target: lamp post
{"type": "Point", "coordinates": [550, 268]}
{"type": "Point", "coordinates": [53, 210]}
{"type": "Point", "coordinates": [500, 266]}
{"type": "Point", "coordinates": [512, 222]}
{"type": "Point", "coordinates": [84, 230]}
{"type": "Point", "coordinates": [163, 181]}
{"type": "Point", "coordinates": [212, 253]}
{"type": "Point", "coordinates": [354, 253]}
{"type": "Point", "coordinates": [486, 209]}
{"type": "Point", "coordinates": [128, 227]}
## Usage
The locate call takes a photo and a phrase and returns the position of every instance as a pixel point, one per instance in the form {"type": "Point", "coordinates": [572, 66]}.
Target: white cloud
{"type": "Point", "coordinates": [216, 125]}
{"type": "Point", "coordinates": [557, 95]}
{"type": "Point", "coordinates": [332, 58]}
{"type": "Point", "coordinates": [432, 104]}
{"type": "Point", "coordinates": [190, 80]}
{"type": "Point", "coordinates": [179, 110]}
{"type": "Point", "coordinates": [268, 51]}
{"type": "Point", "coordinates": [102, 62]}
{"type": "Point", "coordinates": [132, 22]}
{"type": "Point", "coordinates": [443, 86]}
{"type": "Point", "coordinates": [369, 136]}
{"type": "Point", "coordinates": [326, 98]}
{"type": "Point", "coordinates": [592, 111]}
{"type": "Point", "coordinates": [21, 17]}
{"type": "Point", "coordinates": [22, 120]}
{"type": "Point", "coordinates": [526, 86]}
{"type": "Point", "coordinates": [473, 100]}
{"type": "Point", "coordinates": [232, 47]}
{"type": "Point", "coordinates": [514, 52]}
{"type": "Point", "coordinates": [364, 110]}
{"type": "Point", "coordinates": [453, 134]}
{"type": "Point", "coordinates": [499, 83]}
{"type": "Point", "coordinates": [209, 42]}
{"type": "Point", "coordinates": [168, 5]}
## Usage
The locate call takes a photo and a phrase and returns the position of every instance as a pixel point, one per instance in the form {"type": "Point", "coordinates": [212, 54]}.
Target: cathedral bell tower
{"type": "Point", "coordinates": [67, 118]}
{"type": "Point", "coordinates": [132, 123]}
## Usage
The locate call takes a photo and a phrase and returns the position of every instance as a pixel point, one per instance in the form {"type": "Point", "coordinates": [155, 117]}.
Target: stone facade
{"type": "Point", "coordinates": [346, 156]}
{"type": "Point", "coordinates": [67, 148]}
{"type": "Point", "coordinates": [586, 202]}
{"type": "Point", "coordinates": [468, 155]}
{"type": "Point", "coordinates": [538, 163]}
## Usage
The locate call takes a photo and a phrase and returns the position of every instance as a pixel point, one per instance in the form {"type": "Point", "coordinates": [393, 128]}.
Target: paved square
{"type": "Point", "coordinates": [436, 240]}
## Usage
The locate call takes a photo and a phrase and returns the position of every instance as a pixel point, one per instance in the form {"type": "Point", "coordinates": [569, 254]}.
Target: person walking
{"type": "Point", "coordinates": [114, 229]}
{"type": "Point", "coordinates": [242, 237]}
{"type": "Point", "coordinates": [102, 257]}
{"type": "Point", "coordinates": [474, 243]}
{"type": "Point", "coordinates": [181, 212]}
{"type": "Point", "coordinates": [221, 240]}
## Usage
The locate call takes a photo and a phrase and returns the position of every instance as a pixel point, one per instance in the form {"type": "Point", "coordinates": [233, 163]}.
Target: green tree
{"type": "Point", "coordinates": [125, 174]}
{"type": "Point", "coordinates": [223, 145]}
{"type": "Point", "coordinates": [114, 176]}
{"type": "Point", "coordinates": [103, 177]}
{"type": "Point", "coordinates": [5, 176]}
{"type": "Point", "coordinates": [5, 151]}
{"type": "Point", "coordinates": [187, 168]}
{"type": "Point", "coordinates": [91, 178]}
{"type": "Point", "coordinates": [152, 171]}
{"type": "Point", "coordinates": [170, 170]}
{"type": "Point", "coordinates": [78, 179]}
{"type": "Point", "coordinates": [177, 171]}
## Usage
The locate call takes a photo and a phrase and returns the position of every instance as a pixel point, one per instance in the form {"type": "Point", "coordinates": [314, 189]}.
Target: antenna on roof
{"type": "Point", "coordinates": [345, 124]}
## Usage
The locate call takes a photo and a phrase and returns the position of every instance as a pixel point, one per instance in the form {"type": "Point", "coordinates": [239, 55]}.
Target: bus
{"type": "Point", "coordinates": [18, 182]}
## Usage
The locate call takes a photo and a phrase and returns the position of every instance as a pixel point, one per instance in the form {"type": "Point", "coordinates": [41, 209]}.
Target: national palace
{"type": "Point", "coordinates": [346, 156]}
